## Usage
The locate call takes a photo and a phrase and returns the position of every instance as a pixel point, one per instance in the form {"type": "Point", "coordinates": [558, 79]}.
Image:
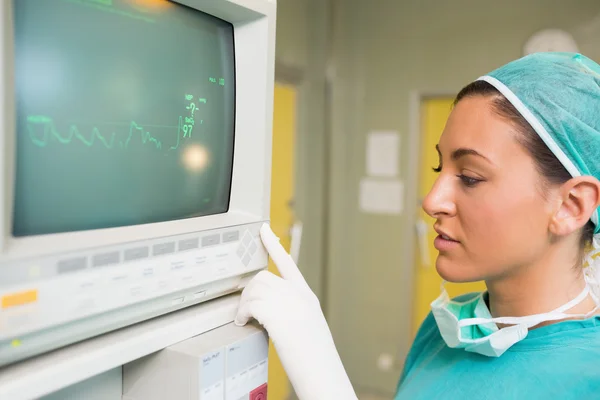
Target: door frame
{"type": "Point", "coordinates": [312, 175]}
{"type": "Point", "coordinates": [293, 76]}
{"type": "Point", "coordinates": [417, 97]}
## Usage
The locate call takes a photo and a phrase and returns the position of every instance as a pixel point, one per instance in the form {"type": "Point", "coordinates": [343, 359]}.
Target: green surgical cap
{"type": "Point", "coordinates": [559, 95]}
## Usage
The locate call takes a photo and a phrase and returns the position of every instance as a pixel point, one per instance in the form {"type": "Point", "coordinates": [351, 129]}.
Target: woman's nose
{"type": "Point", "coordinates": [440, 200]}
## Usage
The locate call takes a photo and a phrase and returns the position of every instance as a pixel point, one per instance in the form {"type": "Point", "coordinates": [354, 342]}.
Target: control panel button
{"type": "Point", "coordinates": [232, 236]}
{"type": "Point", "coordinates": [247, 238]}
{"type": "Point", "coordinates": [71, 265]}
{"type": "Point", "coordinates": [188, 244]}
{"type": "Point", "coordinates": [211, 240]}
{"type": "Point", "coordinates": [253, 247]}
{"type": "Point", "coordinates": [103, 259]}
{"type": "Point", "coordinates": [163, 248]}
{"type": "Point", "coordinates": [199, 295]}
{"type": "Point", "coordinates": [177, 301]}
{"type": "Point", "coordinates": [19, 298]}
{"type": "Point", "coordinates": [260, 393]}
{"type": "Point", "coordinates": [136, 253]}
{"type": "Point", "coordinates": [246, 260]}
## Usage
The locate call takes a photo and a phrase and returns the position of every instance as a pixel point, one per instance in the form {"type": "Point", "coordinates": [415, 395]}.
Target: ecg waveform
{"type": "Point", "coordinates": [49, 132]}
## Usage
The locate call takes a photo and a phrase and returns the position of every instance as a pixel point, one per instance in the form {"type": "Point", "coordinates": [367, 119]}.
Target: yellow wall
{"type": "Point", "coordinates": [282, 194]}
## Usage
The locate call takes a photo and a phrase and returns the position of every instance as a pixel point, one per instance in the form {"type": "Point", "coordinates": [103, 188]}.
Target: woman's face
{"type": "Point", "coordinates": [491, 214]}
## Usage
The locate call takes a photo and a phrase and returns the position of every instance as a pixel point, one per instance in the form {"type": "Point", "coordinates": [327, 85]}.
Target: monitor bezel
{"type": "Point", "coordinates": [254, 37]}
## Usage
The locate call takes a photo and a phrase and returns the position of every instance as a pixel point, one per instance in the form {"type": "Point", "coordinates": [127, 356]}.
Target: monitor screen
{"type": "Point", "coordinates": [125, 114]}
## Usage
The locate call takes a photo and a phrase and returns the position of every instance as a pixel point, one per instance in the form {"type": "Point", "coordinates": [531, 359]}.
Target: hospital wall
{"type": "Point", "coordinates": [373, 55]}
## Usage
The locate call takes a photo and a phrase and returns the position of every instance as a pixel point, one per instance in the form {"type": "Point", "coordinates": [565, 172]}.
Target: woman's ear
{"type": "Point", "coordinates": [579, 198]}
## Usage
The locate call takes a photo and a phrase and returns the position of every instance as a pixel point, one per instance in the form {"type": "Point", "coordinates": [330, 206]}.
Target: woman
{"type": "Point", "coordinates": [516, 205]}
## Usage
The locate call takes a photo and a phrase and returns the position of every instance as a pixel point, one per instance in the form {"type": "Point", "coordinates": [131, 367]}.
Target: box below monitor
{"type": "Point", "coordinates": [227, 363]}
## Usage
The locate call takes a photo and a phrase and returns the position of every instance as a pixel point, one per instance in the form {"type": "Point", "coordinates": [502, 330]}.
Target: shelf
{"type": "Point", "coordinates": [53, 371]}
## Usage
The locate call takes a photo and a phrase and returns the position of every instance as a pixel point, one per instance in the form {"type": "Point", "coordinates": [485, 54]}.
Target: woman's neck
{"type": "Point", "coordinates": [541, 287]}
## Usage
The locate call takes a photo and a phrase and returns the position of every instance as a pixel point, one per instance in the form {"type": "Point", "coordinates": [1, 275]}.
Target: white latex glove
{"type": "Point", "coordinates": [291, 314]}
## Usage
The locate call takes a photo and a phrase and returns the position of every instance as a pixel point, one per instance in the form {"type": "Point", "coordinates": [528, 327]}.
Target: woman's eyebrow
{"type": "Point", "coordinates": [463, 152]}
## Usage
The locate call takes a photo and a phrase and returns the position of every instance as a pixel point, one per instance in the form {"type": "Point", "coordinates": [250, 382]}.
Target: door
{"type": "Point", "coordinates": [282, 195]}
{"type": "Point", "coordinates": [434, 113]}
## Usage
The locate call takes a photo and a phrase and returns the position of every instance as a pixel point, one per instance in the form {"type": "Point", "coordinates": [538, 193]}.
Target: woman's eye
{"type": "Point", "coordinates": [468, 181]}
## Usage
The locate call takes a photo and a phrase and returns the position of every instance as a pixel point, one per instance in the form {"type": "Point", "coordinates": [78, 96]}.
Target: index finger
{"type": "Point", "coordinates": [284, 262]}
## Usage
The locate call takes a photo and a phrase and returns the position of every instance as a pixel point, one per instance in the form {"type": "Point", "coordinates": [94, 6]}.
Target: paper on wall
{"type": "Point", "coordinates": [381, 196]}
{"type": "Point", "coordinates": [382, 153]}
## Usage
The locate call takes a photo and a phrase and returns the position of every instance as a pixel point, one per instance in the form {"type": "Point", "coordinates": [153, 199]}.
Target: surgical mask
{"type": "Point", "coordinates": [469, 324]}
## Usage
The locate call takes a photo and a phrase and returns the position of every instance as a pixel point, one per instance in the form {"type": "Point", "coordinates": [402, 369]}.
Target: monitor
{"type": "Point", "coordinates": [135, 169]}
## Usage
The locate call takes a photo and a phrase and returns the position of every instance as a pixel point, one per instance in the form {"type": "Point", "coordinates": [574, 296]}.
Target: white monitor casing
{"type": "Point", "coordinates": [42, 278]}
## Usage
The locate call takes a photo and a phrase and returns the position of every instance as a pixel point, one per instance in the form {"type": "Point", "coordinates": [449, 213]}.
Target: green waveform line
{"type": "Point", "coordinates": [146, 137]}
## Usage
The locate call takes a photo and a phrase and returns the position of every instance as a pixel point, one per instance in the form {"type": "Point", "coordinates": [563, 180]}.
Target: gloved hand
{"type": "Point", "coordinates": [291, 314]}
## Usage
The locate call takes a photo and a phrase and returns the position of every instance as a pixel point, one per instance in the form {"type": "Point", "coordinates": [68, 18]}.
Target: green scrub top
{"type": "Point", "coordinates": [557, 361]}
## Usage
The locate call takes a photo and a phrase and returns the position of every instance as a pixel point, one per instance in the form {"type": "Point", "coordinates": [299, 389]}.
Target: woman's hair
{"type": "Point", "coordinates": [549, 167]}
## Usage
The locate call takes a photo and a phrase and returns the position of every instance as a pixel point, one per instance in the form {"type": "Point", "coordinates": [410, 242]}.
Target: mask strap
{"type": "Point", "coordinates": [529, 321]}
{"type": "Point", "coordinates": [533, 320]}
{"type": "Point", "coordinates": [584, 293]}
